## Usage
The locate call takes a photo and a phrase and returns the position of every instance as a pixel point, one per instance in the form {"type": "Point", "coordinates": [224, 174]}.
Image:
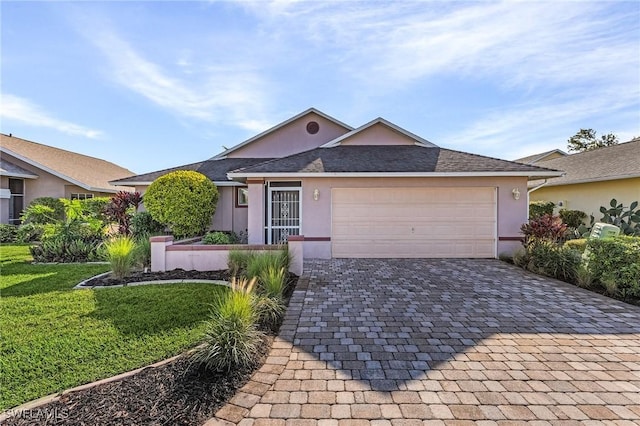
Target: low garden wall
{"type": "Point", "coordinates": [167, 254]}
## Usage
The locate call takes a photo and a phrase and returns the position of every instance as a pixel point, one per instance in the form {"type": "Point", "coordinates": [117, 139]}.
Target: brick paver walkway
{"type": "Point", "coordinates": [404, 342]}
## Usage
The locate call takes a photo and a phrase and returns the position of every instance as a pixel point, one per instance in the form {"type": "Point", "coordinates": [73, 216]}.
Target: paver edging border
{"type": "Point", "coordinates": [82, 284]}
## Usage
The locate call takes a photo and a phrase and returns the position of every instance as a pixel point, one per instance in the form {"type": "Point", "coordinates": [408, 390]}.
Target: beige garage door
{"type": "Point", "coordinates": [413, 222]}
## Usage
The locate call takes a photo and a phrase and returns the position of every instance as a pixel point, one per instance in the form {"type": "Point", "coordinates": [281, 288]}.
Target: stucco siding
{"type": "Point", "coordinates": [316, 214]}
{"type": "Point", "coordinates": [588, 197]}
{"type": "Point", "coordinates": [291, 139]}
{"type": "Point", "coordinates": [378, 135]}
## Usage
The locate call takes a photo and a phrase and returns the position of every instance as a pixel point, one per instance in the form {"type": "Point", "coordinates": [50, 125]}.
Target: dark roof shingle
{"type": "Point", "coordinates": [388, 159]}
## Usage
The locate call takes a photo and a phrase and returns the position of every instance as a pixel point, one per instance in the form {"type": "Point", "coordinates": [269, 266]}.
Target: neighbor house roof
{"type": "Point", "coordinates": [384, 160]}
{"type": "Point", "coordinates": [216, 170]}
{"type": "Point", "coordinates": [92, 174]}
{"type": "Point", "coordinates": [9, 169]}
{"type": "Point", "coordinates": [620, 161]}
{"type": "Point", "coordinates": [279, 126]}
{"type": "Point", "coordinates": [543, 156]}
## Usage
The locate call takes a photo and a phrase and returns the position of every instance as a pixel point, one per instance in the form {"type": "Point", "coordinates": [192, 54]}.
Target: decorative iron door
{"type": "Point", "coordinates": [284, 214]}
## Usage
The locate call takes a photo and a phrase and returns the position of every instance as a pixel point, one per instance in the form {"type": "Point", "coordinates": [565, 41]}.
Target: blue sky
{"type": "Point", "coordinates": [151, 85]}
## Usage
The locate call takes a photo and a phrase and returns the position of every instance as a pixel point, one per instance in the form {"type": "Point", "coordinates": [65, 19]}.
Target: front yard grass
{"type": "Point", "coordinates": [54, 337]}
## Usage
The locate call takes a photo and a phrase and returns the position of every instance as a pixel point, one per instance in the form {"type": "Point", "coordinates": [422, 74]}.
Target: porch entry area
{"type": "Point", "coordinates": [283, 211]}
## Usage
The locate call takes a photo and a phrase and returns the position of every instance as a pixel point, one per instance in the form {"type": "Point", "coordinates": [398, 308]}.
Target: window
{"type": "Point", "coordinates": [80, 196]}
{"type": "Point", "coordinates": [242, 196]}
{"type": "Point", "coordinates": [16, 202]}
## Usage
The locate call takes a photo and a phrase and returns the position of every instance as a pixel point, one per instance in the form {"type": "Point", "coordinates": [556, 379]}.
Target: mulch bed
{"type": "Point", "coordinates": [177, 393]}
{"type": "Point", "coordinates": [176, 274]}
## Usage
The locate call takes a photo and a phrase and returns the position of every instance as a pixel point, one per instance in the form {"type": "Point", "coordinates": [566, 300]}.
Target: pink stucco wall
{"type": "Point", "coordinates": [316, 215]}
{"type": "Point", "coordinates": [378, 134]}
{"type": "Point", "coordinates": [291, 139]}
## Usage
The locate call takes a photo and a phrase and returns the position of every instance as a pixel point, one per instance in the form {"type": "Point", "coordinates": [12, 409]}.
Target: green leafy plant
{"type": "Point", "coordinates": [232, 338]}
{"type": "Point", "coordinates": [44, 210]}
{"type": "Point", "coordinates": [143, 224]}
{"type": "Point", "coordinates": [553, 260]}
{"type": "Point", "coordinates": [584, 277]}
{"type": "Point", "coordinates": [183, 200]}
{"type": "Point", "coordinates": [120, 252]}
{"type": "Point", "coordinates": [142, 251]}
{"type": "Point", "coordinates": [8, 233]}
{"type": "Point", "coordinates": [616, 260]}
{"type": "Point", "coordinates": [628, 219]}
{"type": "Point", "coordinates": [220, 238]}
{"type": "Point", "coordinates": [29, 232]}
{"type": "Point", "coordinates": [540, 208]}
{"type": "Point", "coordinates": [573, 218]}
{"type": "Point", "coordinates": [579, 244]}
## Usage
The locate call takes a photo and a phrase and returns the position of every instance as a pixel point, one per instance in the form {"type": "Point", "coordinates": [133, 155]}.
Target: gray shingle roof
{"type": "Point", "coordinates": [388, 159]}
{"type": "Point", "coordinates": [614, 162]}
{"type": "Point", "coordinates": [216, 170]}
{"type": "Point", "coordinates": [532, 159]}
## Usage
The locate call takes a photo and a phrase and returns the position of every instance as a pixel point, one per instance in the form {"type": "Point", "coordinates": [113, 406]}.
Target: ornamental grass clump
{"type": "Point", "coordinates": [121, 254]}
{"type": "Point", "coordinates": [232, 338]}
{"type": "Point", "coordinates": [270, 304]}
{"type": "Point", "coordinates": [261, 262]}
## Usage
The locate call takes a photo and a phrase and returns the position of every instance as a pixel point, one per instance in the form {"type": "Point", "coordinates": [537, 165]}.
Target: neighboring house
{"type": "Point", "coordinates": [592, 178]}
{"type": "Point", "coordinates": [543, 156]}
{"type": "Point", "coordinates": [30, 170]}
{"type": "Point", "coordinates": [374, 191]}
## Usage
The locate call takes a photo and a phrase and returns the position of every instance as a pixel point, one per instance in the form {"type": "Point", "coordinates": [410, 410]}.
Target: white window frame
{"type": "Point", "coordinates": [80, 196]}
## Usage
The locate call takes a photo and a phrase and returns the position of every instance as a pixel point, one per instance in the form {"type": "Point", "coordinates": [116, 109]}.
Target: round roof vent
{"type": "Point", "coordinates": [313, 127]}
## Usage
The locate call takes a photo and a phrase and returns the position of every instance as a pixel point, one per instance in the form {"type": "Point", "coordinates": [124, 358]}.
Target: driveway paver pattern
{"type": "Point", "coordinates": [444, 341]}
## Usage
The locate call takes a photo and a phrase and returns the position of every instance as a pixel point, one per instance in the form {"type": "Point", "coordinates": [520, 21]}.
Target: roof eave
{"type": "Point", "coordinates": [593, 180]}
{"type": "Point", "coordinates": [47, 169]}
{"type": "Point", "coordinates": [531, 175]}
{"type": "Point", "coordinates": [19, 175]}
{"type": "Point", "coordinates": [147, 183]}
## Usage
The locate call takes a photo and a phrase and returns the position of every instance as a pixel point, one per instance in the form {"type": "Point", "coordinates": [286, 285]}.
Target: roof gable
{"type": "Point", "coordinates": [289, 137]}
{"type": "Point", "coordinates": [543, 156]}
{"type": "Point", "coordinates": [89, 173]}
{"type": "Point", "coordinates": [379, 132]}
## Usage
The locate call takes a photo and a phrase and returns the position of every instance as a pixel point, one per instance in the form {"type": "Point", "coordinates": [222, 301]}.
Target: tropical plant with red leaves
{"type": "Point", "coordinates": [121, 209]}
{"type": "Point", "coordinates": [544, 228]}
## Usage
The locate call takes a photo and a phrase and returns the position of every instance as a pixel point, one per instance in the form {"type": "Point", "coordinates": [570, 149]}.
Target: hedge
{"type": "Point", "coordinates": [615, 263]}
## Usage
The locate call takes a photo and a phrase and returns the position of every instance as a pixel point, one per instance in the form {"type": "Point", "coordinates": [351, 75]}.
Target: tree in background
{"type": "Point", "coordinates": [586, 140]}
{"type": "Point", "coordinates": [183, 200]}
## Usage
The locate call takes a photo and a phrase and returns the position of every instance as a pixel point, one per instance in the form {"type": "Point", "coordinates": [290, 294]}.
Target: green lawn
{"type": "Point", "coordinates": [53, 337]}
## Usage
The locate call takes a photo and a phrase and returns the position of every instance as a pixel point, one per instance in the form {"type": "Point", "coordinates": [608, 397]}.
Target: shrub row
{"type": "Point", "coordinates": [615, 264]}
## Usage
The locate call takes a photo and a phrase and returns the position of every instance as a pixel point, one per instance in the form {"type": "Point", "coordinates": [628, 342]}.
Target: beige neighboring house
{"type": "Point", "coordinates": [591, 179]}
{"type": "Point", "coordinates": [30, 170]}
{"type": "Point", "coordinates": [372, 191]}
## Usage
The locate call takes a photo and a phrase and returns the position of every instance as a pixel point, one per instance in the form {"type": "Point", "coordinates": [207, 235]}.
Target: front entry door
{"type": "Point", "coordinates": [284, 214]}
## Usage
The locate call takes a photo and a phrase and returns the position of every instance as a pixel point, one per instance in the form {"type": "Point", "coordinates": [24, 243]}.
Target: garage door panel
{"type": "Point", "coordinates": [414, 222]}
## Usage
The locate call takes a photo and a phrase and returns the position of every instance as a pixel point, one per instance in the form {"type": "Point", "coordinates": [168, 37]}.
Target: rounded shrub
{"type": "Point", "coordinates": [184, 200]}
{"type": "Point", "coordinates": [44, 210]}
{"type": "Point", "coordinates": [8, 233]}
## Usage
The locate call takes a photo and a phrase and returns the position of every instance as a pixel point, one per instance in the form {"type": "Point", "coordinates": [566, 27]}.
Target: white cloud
{"type": "Point", "coordinates": [230, 94]}
{"type": "Point", "coordinates": [22, 110]}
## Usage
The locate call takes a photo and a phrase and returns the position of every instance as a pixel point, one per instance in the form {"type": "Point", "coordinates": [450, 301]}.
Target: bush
{"type": "Point", "coordinates": [616, 261]}
{"type": "Point", "coordinates": [8, 233]}
{"type": "Point", "coordinates": [546, 228]}
{"type": "Point", "coordinates": [142, 252]}
{"type": "Point", "coordinates": [53, 213]}
{"type": "Point", "coordinates": [120, 253]}
{"type": "Point", "coordinates": [30, 232]}
{"type": "Point", "coordinates": [94, 208]}
{"type": "Point", "coordinates": [579, 244]}
{"type": "Point", "coordinates": [540, 208]}
{"type": "Point", "coordinates": [74, 241]}
{"type": "Point", "coordinates": [552, 260]}
{"type": "Point", "coordinates": [183, 200]}
{"type": "Point", "coordinates": [143, 224]}
{"type": "Point", "coordinates": [220, 238]}
{"type": "Point", "coordinates": [573, 218]}
{"type": "Point", "coordinates": [232, 339]}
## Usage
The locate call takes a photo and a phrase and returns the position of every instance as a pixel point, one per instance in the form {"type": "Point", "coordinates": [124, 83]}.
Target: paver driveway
{"type": "Point", "coordinates": [444, 341]}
